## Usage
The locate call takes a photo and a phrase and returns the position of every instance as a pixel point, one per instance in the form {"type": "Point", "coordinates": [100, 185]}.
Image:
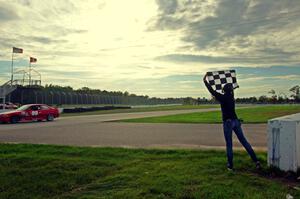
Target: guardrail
{"type": "Point", "coordinates": [86, 109]}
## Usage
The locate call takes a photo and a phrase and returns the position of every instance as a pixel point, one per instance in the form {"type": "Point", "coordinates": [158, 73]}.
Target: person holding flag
{"type": "Point", "coordinates": [231, 122]}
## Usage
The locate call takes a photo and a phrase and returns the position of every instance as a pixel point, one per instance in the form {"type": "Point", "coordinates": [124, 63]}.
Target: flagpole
{"type": "Point", "coordinates": [29, 73]}
{"type": "Point", "coordinates": [12, 67]}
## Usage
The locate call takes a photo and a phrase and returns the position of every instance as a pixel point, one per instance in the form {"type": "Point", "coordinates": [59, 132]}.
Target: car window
{"type": "Point", "coordinates": [35, 108]}
{"type": "Point", "coordinates": [44, 107]}
{"type": "Point", "coordinates": [24, 108]}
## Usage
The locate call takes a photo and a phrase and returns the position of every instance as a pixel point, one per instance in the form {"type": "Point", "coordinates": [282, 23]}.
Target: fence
{"type": "Point", "coordinates": [27, 96]}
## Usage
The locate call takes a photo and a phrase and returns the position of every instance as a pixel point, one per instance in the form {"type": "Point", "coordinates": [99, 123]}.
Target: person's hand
{"type": "Point", "coordinates": [204, 78]}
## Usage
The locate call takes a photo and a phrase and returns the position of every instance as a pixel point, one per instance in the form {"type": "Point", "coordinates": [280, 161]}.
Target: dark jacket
{"type": "Point", "coordinates": [227, 102]}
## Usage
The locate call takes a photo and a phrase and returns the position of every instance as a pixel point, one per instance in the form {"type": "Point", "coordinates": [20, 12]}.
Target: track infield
{"type": "Point", "coordinates": [256, 114]}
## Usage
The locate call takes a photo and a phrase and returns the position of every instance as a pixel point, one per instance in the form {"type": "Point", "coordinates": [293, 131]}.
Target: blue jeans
{"type": "Point", "coordinates": [235, 125]}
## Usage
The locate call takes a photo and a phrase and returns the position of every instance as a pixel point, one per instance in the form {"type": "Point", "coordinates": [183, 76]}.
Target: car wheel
{"type": "Point", "coordinates": [14, 120]}
{"type": "Point", "coordinates": [50, 117]}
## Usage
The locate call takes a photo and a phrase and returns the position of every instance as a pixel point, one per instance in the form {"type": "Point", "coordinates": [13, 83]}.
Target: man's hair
{"type": "Point", "coordinates": [227, 88]}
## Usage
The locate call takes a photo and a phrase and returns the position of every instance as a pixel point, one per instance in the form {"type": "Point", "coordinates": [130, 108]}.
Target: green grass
{"type": "Point", "coordinates": [143, 109]}
{"type": "Point", "coordinates": [44, 171]}
{"type": "Point", "coordinates": [84, 105]}
{"type": "Point", "coordinates": [257, 114]}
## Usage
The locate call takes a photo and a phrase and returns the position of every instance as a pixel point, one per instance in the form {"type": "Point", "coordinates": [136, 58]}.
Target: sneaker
{"type": "Point", "coordinates": [230, 169]}
{"type": "Point", "coordinates": [258, 165]}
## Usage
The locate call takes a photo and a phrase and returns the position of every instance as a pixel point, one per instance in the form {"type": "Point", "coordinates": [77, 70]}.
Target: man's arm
{"type": "Point", "coordinates": [210, 89]}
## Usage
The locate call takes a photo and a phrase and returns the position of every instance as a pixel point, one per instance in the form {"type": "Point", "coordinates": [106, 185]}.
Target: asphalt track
{"type": "Point", "coordinates": [98, 130]}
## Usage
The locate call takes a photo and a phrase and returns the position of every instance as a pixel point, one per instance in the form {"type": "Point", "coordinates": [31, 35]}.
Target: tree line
{"type": "Point", "coordinates": [272, 97]}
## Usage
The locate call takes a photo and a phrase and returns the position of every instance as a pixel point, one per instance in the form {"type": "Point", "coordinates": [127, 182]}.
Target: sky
{"type": "Point", "coordinates": [158, 48]}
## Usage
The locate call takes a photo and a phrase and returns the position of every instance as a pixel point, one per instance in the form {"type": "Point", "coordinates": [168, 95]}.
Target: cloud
{"type": "Point", "coordinates": [167, 6]}
{"type": "Point", "coordinates": [269, 59]}
{"type": "Point", "coordinates": [158, 48]}
{"type": "Point", "coordinates": [44, 40]}
{"type": "Point", "coordinates": [270, 71]}
{"type": "Point", "coordinates": [7, 13]}
{"type": "Point", "coordinates": [234, 29]}
{"type": "Point", "coordinates": [266, 78]}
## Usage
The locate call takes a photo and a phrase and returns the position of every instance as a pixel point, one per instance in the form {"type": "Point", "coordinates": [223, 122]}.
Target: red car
{"type": "Point", "coordinates": [30, 112]}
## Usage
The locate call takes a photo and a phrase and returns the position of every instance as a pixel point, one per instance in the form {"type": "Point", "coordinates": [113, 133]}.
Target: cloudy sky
{"type": "Point", "coordinates": [159, 48]}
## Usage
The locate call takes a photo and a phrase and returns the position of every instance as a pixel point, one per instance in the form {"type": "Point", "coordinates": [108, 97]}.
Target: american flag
{"type": "Point", "coordinates": [17, 50]}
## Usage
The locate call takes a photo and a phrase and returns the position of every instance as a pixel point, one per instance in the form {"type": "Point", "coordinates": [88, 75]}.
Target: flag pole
{"type": "Point", "coordinates": [29, 73]}
{"type": "Point", "coordinates": [12, 67]}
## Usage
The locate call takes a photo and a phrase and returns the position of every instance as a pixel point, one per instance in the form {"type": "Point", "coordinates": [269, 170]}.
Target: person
{"type": "Point", "coordinates": [231, 122]}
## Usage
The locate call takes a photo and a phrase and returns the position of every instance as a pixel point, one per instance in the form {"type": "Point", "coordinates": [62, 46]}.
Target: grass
{"type": "Point", "coordinates": [257, 114]}
{"type": "Point", "coordinates": [84, 105]}
{"type": "Point", "coordinates": [45, 171]}
{"type": "Point", "coordinates": [143, 109]}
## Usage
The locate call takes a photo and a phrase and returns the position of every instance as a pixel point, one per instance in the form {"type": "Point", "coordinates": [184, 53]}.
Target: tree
{"type": "Point", "coordinates": [263, 99]}
{"type": "Point", "coordinates": [274, 96]}
{"type": "Point", "coordinates": [126, 93]}
{"type": "Point", "coordinates": [282, 98]}
{"type": "Point", "coordinates": [51, 87]}
{"type": "Point", "coordinates": [295, 93]}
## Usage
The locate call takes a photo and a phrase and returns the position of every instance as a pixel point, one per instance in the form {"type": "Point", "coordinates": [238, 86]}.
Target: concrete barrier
{"type": "Point", "coordinates": [87, 109]}
{"type": "Point", "coordinates": [284, 142]}
{"type": "Point", "coordinates": [5, 110]}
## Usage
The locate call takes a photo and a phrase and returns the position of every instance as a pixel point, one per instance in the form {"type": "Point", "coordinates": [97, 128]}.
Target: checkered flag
{"type": "Point", "coordinates": [217, 79]}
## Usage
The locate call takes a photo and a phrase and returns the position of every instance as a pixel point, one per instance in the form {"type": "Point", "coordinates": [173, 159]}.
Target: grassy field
{"type": "Point", "coordinates": [258, 114]}
{"type": "Point", "coordinates": [143, 109]}
{"type": "Point", "coordinates": [43, 171]}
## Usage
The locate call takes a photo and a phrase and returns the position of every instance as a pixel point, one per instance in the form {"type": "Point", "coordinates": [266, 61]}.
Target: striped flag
{"type": "Point", "coordinates": [17, 50]}
{"type": "Point", "coordinates": [33, 60]}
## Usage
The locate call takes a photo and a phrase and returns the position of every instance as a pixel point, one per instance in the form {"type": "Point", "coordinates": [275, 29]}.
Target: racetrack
{"type": "Point", "coordinates": [95, 130]}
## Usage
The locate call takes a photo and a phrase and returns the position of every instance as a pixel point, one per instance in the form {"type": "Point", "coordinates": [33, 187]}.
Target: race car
{"type": "Point", "coordinates": [30, 112]}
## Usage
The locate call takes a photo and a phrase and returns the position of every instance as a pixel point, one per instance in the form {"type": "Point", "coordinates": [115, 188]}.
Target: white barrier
{"type": "Point", "coordinates": [284, 142]}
